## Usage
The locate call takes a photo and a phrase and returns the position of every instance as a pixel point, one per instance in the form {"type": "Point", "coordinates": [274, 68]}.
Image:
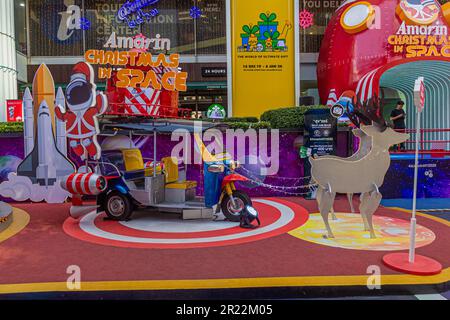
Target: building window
{"type": "Point", "coordinates": [311, 34]}
{"type": "Point", "coordinates": [211, 27]}
{"type": "Point", "coordinates": [102, 15]}
{"type": "Point", "coordinates": [200, 99]}
{"type": "Point", "coordinates": [174, 23]}
{"type": "Point", "coordinates": [20, 26]}
{"type": "Point", "coordinates": [55, 28]}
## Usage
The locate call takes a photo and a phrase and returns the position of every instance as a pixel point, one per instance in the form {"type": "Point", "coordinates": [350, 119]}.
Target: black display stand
{"type": "Point", "coordinates": [320, 136]}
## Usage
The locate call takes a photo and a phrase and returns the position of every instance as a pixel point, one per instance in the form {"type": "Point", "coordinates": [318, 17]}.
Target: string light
{"type": "Point", "coordinates": [286, 190]}
{"type": "Point", "coordinates": [275, 177]}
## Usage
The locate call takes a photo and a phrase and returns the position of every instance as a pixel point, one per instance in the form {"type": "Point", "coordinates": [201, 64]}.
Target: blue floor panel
{"type": "Point", "coordinates": [430, 203]}
{"type": "Point", "coordinates": [440, 207]}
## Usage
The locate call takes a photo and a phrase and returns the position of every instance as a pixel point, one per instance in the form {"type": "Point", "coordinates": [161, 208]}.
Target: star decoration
{"type": "Point", "coordinates": [85, 24]}
{"type": "Point", "coordinates": [195, 12]}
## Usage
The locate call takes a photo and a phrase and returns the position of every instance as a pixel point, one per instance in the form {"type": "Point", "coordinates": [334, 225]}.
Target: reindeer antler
{"type": "Point", "coordinates": [368, 112]}
{"type": "Point", "coordinates": [356, 116]}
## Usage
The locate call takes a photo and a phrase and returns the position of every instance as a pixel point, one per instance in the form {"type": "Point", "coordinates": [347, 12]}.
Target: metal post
{"type": "Point", "coordinates": [154, 153]}
{"type": "Point", "coordinates": [130, 136]}
{"type": "Point", "coordinates": [297, 53]}
{"type": "Point", "coordinates": [185, 156]}
{"type": "Point", "coordinates": [27, 25]}
{"type": "Point", "coordinates": [229, 35]}
{"type": "Point", "coordinates": [412, 232]}
{"type": "Point", "coordinates": [422, 143]}
{"type": "Point", "coordinates": [195, 34]}
{"type": "Point", "coordinates": [86, 163]}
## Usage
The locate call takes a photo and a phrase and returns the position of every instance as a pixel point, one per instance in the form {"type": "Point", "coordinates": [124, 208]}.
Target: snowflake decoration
{"type": "Point", "coordinates": [306, 19]}
{"type": "Point", "coordinates": [85, 24]}
{"type": "Point", "coordinates": [195, 12]}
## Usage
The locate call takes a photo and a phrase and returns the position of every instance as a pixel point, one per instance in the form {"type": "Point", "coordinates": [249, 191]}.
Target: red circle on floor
{"type": "Point", "coordinates": [422, 266]}
{"type": "Point", "coordinates": [166, 232]}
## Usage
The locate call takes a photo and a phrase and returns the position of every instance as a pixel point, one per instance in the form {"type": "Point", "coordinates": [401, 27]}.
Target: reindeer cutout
{"type": "Point", "coordinates": [365, 145]}
{"type": "Point", "coordinates": [363, 173]}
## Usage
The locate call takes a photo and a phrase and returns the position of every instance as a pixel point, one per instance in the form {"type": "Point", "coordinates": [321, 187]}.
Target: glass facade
{"type": "Point", "coordinates": [200, 100]}
{"type": "Point", "coordinates": [314, 16]}
{"type": "Point", "coordinates": [20, 17]}
{"type": "Point", "coordinates": [211, 28]}
{"type": "Point", "coordinates": [55, 29]}
{"type": "Point", "coordinates": [68, 28]}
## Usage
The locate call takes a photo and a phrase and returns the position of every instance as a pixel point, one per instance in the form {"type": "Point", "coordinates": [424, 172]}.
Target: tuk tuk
{"type": "Point", "coordinates": [135, 183]}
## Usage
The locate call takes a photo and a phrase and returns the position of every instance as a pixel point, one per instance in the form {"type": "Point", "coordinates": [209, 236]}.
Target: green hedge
{"type": "Point", "coordinates": [248, 125]}
{"type": "Point", "coordinates": [11, 127]}
{"type": "Point", "coordinates": [288, 118]}
{"type": "Point", "coordinates": [245, 123]}
{"type": "Point", "coordinates": [241, 119]}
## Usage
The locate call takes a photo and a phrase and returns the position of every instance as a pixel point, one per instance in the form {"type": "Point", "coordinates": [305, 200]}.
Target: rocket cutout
{"type": "Point", "coordinates": [61, 133]}
{"type": "Point", "coordinates": [45, 138]}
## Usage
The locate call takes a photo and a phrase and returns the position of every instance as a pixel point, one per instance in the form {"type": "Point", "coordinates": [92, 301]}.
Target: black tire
{"type": "Point", "coordinates": [118, 206]}
{"type": "Point", "coordinates": [234, 214]}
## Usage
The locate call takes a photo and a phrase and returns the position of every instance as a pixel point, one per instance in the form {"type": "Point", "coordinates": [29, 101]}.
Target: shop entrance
{"type": "Point", "coordinates": [199, 100]}
{"type": "Point", "coordinates": [436, 115]}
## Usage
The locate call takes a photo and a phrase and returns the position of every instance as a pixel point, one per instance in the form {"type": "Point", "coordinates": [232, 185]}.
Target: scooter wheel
{"type": "Point", "coordinates": [118, 206]}
{"type": "Point", "coordinates": [234, 212]}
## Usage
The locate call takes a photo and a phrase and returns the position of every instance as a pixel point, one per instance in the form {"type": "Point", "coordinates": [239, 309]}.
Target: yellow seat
{"type": "Point", "coordinates": [171, 169]}
{"type": "Point", "coordinates": [133, 161]}
{"type": "Point", "coordinates": [182, 185]}
{"type": "Point", "coordinates": [172, 175]}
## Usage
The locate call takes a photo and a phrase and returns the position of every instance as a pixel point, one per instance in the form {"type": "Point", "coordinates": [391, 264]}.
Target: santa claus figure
{"type": "Point", "coordinates": [84, 104]}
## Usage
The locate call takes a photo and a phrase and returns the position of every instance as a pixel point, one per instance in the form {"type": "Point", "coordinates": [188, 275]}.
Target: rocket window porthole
{"type": "Point", "coordinates": [358, 17]}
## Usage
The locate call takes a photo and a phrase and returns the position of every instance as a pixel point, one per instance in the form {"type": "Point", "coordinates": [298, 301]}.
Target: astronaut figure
{"type": "Point", "coordinates": [84, 104]}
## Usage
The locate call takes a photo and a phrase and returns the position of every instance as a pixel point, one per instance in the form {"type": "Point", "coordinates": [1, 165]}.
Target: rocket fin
{"type": "Point", "coordinates": [28, 166]}
{"type": "Point", "coordinates": [63, 165]}
{"type": "Point", "coordinates": [45, 164]}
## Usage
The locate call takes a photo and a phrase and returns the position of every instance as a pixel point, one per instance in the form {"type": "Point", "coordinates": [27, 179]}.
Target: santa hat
{"type": "Point", "coordinates": [82, 70]}
{"type": "Point", "coordinates": [332, 98]}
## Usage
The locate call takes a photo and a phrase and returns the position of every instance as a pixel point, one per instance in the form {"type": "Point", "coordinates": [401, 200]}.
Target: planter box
{"type": "Point", "coordinates": [11, 135]}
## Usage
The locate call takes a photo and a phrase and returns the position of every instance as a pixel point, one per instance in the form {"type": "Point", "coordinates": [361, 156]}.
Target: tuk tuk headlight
{"type": "Point", "coordinates": [216, 168]}
{"type": "Point", "coordinates": [248, 216]}
{"type": "Point", "coordinates": [251, 212]}
{"type": "Point", "coordinates": [234, 164]}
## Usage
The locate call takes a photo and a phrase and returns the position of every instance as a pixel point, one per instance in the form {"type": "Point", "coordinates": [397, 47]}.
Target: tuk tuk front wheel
{"type": "Point", "coordinates": [118, 206]}
{"type": "Point", "coordinates": [233, 212]}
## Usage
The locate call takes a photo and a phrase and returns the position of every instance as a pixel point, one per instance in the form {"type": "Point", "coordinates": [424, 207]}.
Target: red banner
{"type": "Point", "coordinates": [14, 111]}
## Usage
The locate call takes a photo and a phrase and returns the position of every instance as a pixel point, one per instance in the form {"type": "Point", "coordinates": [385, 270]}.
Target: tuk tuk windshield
{"type": "Point", "coordinates": [116, 159]}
